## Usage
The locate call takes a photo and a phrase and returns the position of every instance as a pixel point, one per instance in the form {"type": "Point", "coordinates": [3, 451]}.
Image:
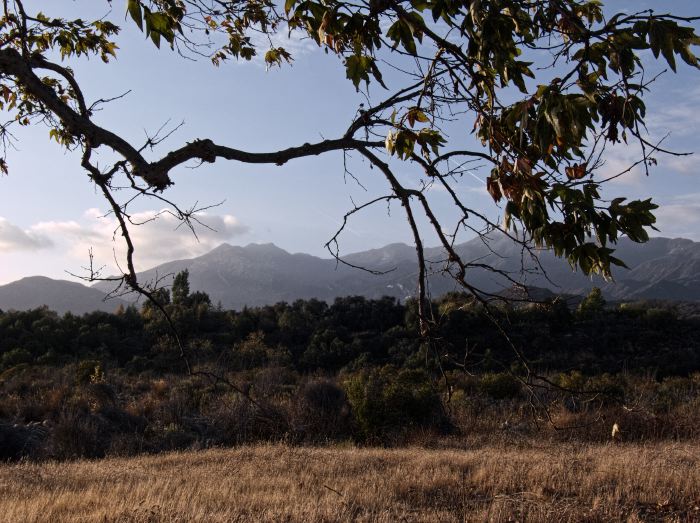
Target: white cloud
{"type": "Point", "coordinates": [682, 164]}
{"type": "Point", "coordinates": [680, 217]}
{"type": "Point", "coordinates": [621, 158]}
{"type": "Point", "coordinates": [161, 237]}
{"type": "Point", "coordinates": [675, 112]}
{"type": "Point", "coordinates": [69, 229]}
{"type": "Point", "coordinates": [13, 238]}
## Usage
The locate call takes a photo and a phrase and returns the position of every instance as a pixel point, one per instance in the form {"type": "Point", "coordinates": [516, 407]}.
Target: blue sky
{"type": "Point", "coordinates": [50, 215]}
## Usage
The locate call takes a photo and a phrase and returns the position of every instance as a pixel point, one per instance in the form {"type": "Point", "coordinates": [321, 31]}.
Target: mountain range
{"type": "Point", "coordinates": [260, 274]}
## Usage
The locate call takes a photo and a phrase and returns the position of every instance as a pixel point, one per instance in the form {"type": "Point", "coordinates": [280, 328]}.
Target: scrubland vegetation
{"type": "Point", "coordinates": [356, 371]}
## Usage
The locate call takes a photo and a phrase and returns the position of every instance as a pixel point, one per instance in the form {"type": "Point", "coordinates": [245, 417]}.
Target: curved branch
{"type": "Point", "coordinates": [156, 174]}
{"type": "Point", "coordinates": [42, 63]}
{"type": "Point", "coordinates": [208, 151]}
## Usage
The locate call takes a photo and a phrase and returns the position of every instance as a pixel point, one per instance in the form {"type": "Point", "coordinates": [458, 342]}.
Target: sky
{"type": "Point", "coordinates": [51, 216]}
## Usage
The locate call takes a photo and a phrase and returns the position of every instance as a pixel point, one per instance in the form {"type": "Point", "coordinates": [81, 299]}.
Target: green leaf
{"type": "Point", "coordinates": [419, 5]}
{"type": "Point", "coordinates": [401, 33]}
{"type": "Point", "coordinates": [667, 49]}
{"type": "Point", "coordinates": [618, 262]}
{"type": "Point", "coordinates": [134, 8]}
{"type": "Point", "coordinates": [377, 73]}
{"type": "Point", "coordinates": [357, 69]}
{"type": "Point", "coordinates": [159, 22]}
{"type": "Point", "coordinates": [354, 70]}
{"type": "Point", "coordinates": [276, 55]}
{"type": "Point", "coordinates": [155, 36]}
{"type": "Point", "coordinates": [247, 53]}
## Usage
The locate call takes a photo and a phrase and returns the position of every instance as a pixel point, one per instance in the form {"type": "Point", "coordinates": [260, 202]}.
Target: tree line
{"type": "Point", "coordinates": [354, 332]}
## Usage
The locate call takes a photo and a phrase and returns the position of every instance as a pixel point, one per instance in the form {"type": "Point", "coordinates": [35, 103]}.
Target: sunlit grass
{"type": "Point", "coordinates": [552, 482]}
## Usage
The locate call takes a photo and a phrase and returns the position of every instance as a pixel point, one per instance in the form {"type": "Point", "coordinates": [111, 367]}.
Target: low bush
{"type": "Point", "coordinates": [499, 386]}
{"type": "Point", "coordinates": [18, 441]}
{"type": "Point", "coordinates": [386, 402]}
{"type": "Point", "coordinates": [321, 412]}
{"type": "Point", "coordinates": [15, 357]}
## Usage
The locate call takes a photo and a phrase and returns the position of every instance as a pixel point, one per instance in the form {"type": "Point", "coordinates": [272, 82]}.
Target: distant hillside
{"type": "Point", "coordinates": [59, 295]}
{"type": "Point", "coordinates": [666, 269]}
{"type": "Point", "coordinates": [662, 269]}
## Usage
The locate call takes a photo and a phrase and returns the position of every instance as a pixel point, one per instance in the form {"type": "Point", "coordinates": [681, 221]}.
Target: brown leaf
{"type": "Point", "coordinates": [494, 189]}
{"type": "Point", "coordinates": [576, 172]}
{"type": "Point", "coordinates": [523, 165]}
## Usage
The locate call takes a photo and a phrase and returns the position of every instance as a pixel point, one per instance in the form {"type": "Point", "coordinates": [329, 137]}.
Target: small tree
{"type": "Point", "coordinates": [593, 304]}
{"type": "Point", "coordinates": [181, 288]}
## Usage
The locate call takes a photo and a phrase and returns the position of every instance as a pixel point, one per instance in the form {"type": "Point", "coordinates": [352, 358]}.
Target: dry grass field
{"type": "Point", "coordinates": [551, 482]}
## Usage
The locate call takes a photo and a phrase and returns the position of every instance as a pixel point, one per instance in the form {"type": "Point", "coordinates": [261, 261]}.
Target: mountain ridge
{"type": "Point", "coordinates": [263, 274]}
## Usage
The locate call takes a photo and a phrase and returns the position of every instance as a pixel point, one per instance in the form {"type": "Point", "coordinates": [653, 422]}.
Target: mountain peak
{"type": "Point", "coordinates": [37, 278]}
{"type": "Point", "coordinates": [222, 247]}
{"type": "Point", "coordinates": [265, 247]}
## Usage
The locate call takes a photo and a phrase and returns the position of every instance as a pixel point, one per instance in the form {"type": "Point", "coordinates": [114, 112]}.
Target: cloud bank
{"type": "Point", "coordinates": [13, 238]}
{"type": "Point", "coordinates": [680, 217]}
{"type": "Point", "coordinates": [161, 237]}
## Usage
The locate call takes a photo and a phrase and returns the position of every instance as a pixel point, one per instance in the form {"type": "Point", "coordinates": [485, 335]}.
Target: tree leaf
{"type": "Point", "coordinates": [134, 8]}
{"type": "Point", "coordinates": [288, 4]}
{"type": "Point", "coordinates": [155, 37]}
{"type": "Point", "coordinates": [577, 171]}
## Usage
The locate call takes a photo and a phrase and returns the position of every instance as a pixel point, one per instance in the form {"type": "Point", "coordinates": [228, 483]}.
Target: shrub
{"type": "Point", "coordinates": [83, 433]}
{"type": "Point", "coordinates": [612, 386]}
{"type": "Point", "coordinates": [240, 420]}
{"type": "Point", "coordinates": [89, 371]}
{"type": "Point", "coordinates": [386, 402]}
{"type": "Point", "coordinates": [656, 317]}
{"type": "Point", "coordinates": [99, 395]}
{"type": "Point", "coordinates": [15, 357]}
{"type": "Point", "coordinates": [176, 437]}
{"type": "Point", "coordinates": [499, 386]}
{"type": "Point", "coordinates": [17, 441]}
{"type": "Point", "coordinates": [673, 391]}
{"type": "Point", "coordinates": [574, 380]}
{"type": "Point", "coordinates": [138, 364]}
{"type": "Point", "coordinates": [80, 434]}
{"type": "Point", "coordinates": [250, 353]}
{"type": "Point", "coordinates": [592, 305]}
{"type": "Point", "coordinates": [272, 382]}
{"type": "Point", "coordinates": [321, 411]}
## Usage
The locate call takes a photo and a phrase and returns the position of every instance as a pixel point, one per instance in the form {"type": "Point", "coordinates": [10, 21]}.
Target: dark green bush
{"type": "Point", "coordinates": [386, 402]}
{"type": "Point", "coordinates": [499, 386]}
{"type": "Point", "coordinates": [15, 357]}
{"type": "Point", "coordinates": [18, 441]}
{"type": "Point", "coordinates": [322, 411]}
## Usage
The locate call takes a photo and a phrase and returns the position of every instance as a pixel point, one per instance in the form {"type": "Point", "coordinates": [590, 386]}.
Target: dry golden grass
{"type": "Point", "coordinates": [552, 482]}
